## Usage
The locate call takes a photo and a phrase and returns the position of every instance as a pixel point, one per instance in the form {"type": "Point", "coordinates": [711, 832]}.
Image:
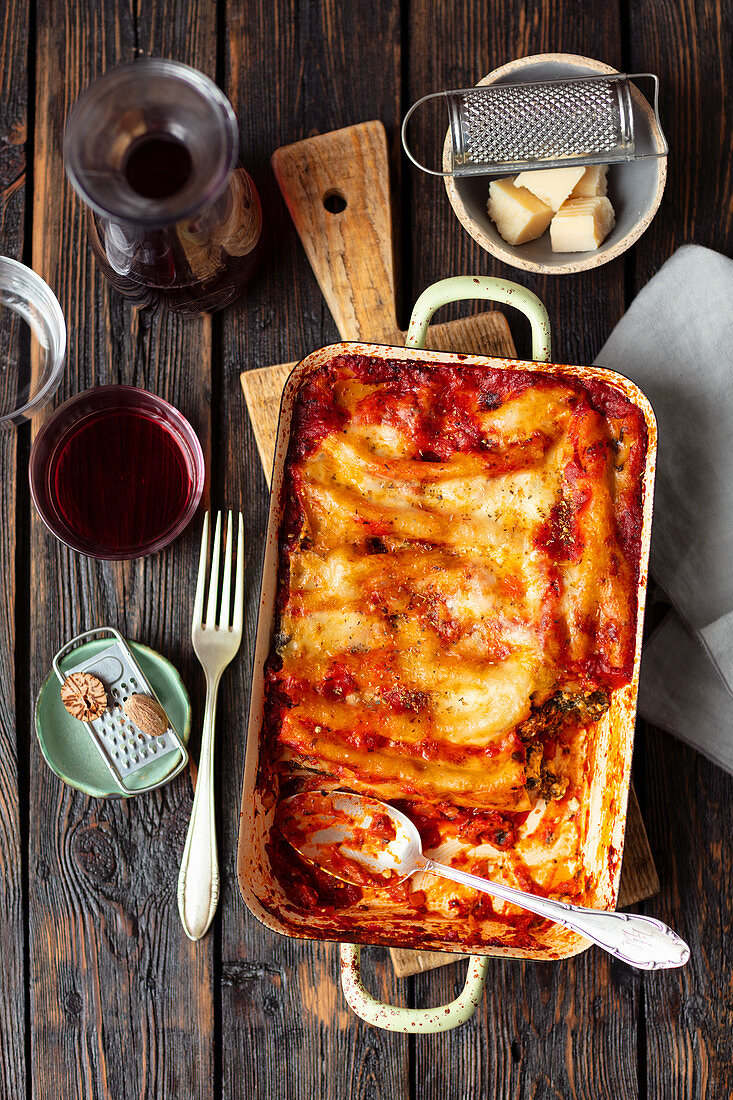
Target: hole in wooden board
{"type": "Point", "coordinates": [334, 202]}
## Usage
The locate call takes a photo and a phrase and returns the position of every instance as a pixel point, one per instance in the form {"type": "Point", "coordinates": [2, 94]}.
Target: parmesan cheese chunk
{"type": "Point", "coordinates": [519, 215]}
{"type": "Point", "coordinates": [581, 225]}
{"type": "Point", "coordinates": [551, 185]}
{"type": "Point", "coordinates": [592, 183]}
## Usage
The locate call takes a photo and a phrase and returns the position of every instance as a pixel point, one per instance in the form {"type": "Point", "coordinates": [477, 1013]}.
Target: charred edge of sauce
{"type": "Point", "coordinates": [313, 890]}
{"type": "Point", "coordinates": [477, 826]}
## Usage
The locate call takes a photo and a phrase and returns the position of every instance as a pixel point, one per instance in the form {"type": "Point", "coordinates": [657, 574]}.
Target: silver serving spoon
{"type": "Point", "coordinates": [327, 830]}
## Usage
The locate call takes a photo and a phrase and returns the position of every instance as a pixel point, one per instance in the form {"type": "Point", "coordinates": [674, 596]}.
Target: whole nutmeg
{"type": "Point", "coordinates": [147, 714]}
{"type": "Point", "coordinates": [84, 696]}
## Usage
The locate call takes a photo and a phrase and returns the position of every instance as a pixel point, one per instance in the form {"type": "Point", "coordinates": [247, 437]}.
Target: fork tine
{"type": "Point", "coordinates": [226, 584]}
{"type": "Point", "coordinates": [198, 603]}
{"type": "Point", "coordinates": [238, 620]}
{"type": "Point", "coordinates": [214, 577]}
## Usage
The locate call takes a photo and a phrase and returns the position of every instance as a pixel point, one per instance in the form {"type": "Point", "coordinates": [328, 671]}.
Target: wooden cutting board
{"type": "Point", "coordinates": [336, 187]}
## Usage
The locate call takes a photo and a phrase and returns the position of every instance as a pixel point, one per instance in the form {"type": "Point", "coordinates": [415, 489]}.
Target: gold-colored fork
{"type": "Point", "coordinates": [216, 640]}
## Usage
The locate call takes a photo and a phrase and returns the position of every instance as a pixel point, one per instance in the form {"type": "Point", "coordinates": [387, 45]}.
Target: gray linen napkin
{"type": "Point", "coordinates": [676, 343]}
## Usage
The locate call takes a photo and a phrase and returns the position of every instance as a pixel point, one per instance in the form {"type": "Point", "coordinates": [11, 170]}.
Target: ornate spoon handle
{"type": "Point", "coordinates": [643, 942]}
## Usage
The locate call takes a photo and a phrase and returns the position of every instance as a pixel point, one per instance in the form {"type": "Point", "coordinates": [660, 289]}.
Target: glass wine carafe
{"type": "Point", "coordinates": [174, 219]}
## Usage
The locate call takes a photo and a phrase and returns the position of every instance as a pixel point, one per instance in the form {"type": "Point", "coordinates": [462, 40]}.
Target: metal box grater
{"type": "Point", "coordinates": [568, 122]}
{"type": "Point", "coordinates": [125, 748]}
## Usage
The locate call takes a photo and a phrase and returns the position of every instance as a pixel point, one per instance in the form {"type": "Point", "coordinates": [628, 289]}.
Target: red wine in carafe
{"type": "Point", "coordinates": [157, 166]}
{"type": "Point", "coordinates": [202, 263]}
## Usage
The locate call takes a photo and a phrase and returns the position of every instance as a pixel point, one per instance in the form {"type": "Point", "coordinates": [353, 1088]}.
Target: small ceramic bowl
{"type": "Point", "coordinates": [635, 188]}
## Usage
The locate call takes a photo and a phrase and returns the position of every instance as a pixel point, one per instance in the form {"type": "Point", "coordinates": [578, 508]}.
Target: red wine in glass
{"type": "Point", "coordinates": [116, 473]}
{"type": "Point", "coordinates": [157, 165]}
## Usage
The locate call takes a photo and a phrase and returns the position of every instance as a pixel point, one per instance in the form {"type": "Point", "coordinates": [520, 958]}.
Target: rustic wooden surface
{"type": "Point", "coordinates": [101, 995]}
{"type": "Point", "coordinates": [121, 1003]}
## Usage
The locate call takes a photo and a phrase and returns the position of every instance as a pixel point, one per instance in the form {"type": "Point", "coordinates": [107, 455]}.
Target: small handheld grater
{"type": "Point", "coordinates": [124, 747]}
{"type": "Point", "coordinates": [563, 123]}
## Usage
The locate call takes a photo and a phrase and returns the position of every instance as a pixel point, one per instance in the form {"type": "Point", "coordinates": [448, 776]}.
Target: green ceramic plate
{"type": "Point", "coordinates": [66, 743]}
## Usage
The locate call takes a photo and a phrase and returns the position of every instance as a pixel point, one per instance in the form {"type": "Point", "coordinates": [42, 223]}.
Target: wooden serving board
{"type": "Point", "coordinates": [336, 187]}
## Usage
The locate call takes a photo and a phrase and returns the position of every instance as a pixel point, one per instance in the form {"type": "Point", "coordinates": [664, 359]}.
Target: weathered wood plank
{"type": "Point", "coordinates": [122, 1002]}
{"type": "Point", "coordinates": [689, 1013]}
{"type": "Point", "coordinates": [533, 1035]}
{"type": "Point", "coordinates": [13, 139]}
{"type": "Point", "coordinates": [689, 45]}
{"type": "Point", "coordinates": [287, 1031]}
{"type": "Point", "coordinates": [688, 801]}
{"type": "Point", "coordinates": [544, 1031]}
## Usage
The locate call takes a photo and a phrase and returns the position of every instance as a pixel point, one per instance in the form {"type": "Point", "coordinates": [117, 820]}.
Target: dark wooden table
{"type": "Point", "coordinates": [101, 994]}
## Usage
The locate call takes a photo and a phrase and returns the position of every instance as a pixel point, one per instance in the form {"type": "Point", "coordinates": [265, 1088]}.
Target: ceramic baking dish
{"type": "Point", "coordinates": [613, 741]}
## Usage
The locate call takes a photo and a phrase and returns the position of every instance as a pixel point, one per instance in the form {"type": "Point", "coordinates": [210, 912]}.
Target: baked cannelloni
{"type": "Point", "coordinates": [457, 605]}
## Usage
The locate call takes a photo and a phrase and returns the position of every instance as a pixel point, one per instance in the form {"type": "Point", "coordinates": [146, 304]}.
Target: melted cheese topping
{"type": "Point", "coordinates": [452, 558]}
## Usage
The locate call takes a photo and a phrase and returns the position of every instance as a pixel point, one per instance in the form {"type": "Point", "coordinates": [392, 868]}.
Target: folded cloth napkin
{"type": "Point", "coordinates": [676, 342]}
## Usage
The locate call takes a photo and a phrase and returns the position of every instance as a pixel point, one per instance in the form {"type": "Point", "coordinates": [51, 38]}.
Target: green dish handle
{"type": "Point", "coordinates": [463, 287]}
{"type": "Point", "coordinates": [443, 1017]}
{"type": "Point", "coordinates": [425, 1021]}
